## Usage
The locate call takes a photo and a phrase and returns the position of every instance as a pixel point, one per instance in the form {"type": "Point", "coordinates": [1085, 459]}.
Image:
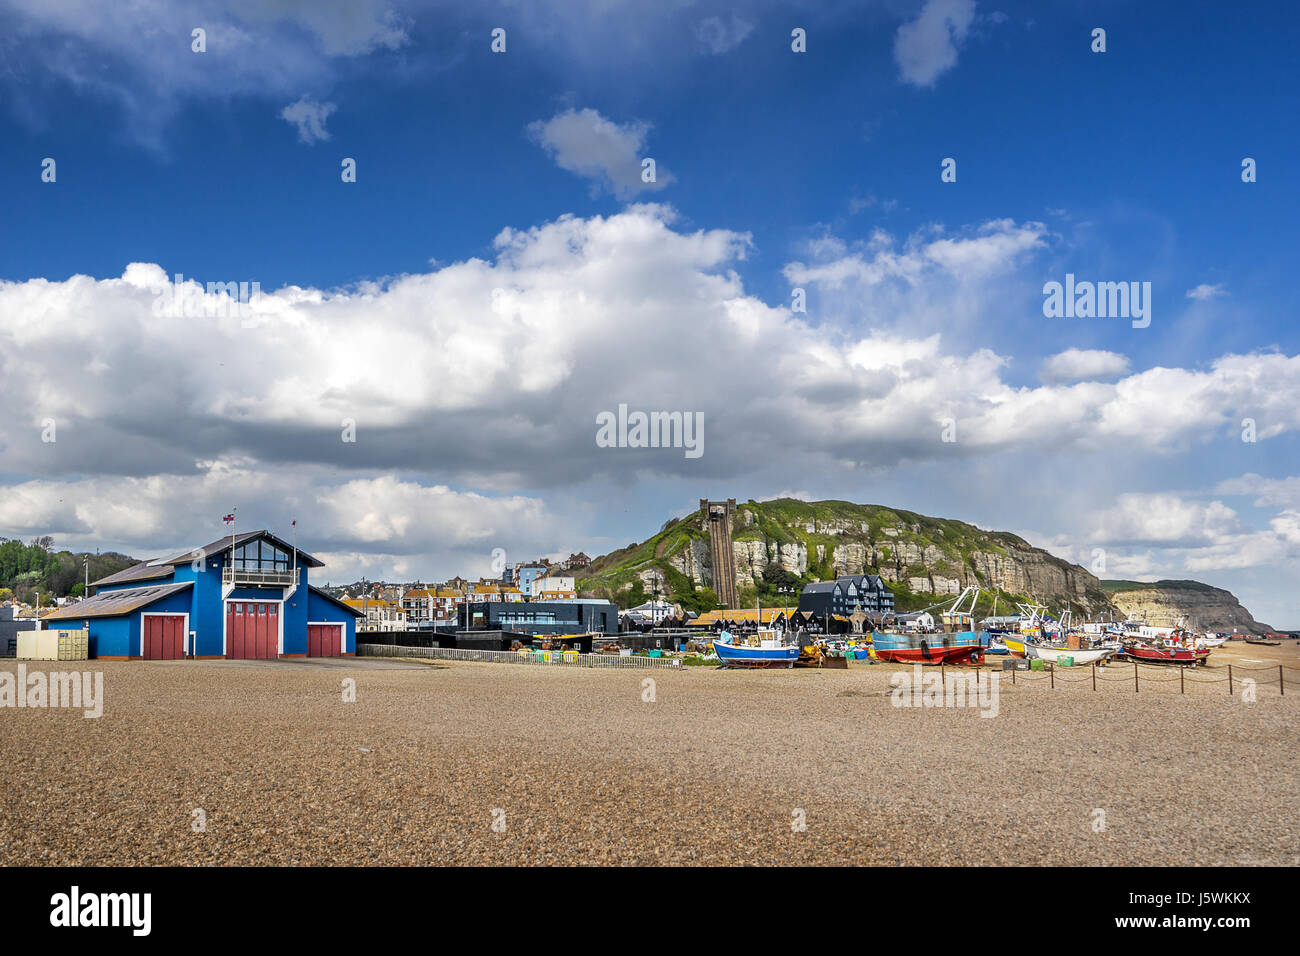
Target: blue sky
{"type": "Point", "coordinates": [818, 170]}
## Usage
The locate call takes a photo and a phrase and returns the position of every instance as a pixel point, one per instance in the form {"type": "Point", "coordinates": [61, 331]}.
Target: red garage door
{"type": "Point", "coordinates": [252, 629]}
{"type": "Point", "coordinates": [164, 637]}
{"type": "Point", "coordinates": [324, 640]}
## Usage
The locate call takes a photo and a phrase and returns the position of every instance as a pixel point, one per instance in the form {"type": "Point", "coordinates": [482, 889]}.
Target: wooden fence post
{"type": "Point", "coordinates": [1182, 687]}
{"type": "Point", "coordinates": [1135, 678]}
{"type": "Point", "coordinates": [1051, 671]}
{"type": "Point", "coordinates": [1229, 680]}
{"type": "Point", "coordinates": [1094, 675]}
{"type": "Point", "coordinates": [1281, 683]}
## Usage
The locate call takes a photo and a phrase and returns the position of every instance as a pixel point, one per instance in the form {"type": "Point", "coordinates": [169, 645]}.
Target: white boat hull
{"type": "Point", "coordinates": [1054, 654]}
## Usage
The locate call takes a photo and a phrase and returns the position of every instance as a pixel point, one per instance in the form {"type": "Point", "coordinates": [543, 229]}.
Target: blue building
{"type": "Point", "coordinates": [525, 574]}
{"type": "Point", "coordinates": [246, 597]}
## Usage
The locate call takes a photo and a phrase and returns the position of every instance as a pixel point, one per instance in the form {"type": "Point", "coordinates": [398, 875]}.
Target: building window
{"type": "Point", "coordinates": [260, 556]}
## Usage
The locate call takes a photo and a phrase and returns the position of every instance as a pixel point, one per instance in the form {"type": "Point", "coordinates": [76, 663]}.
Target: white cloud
{"type": "Point", "coordinates": [719, 36]}
{"type": "Point", "coordinates": [1073, 365]}
{"type": "Point", "coordinates": [926, 48]}
{"type": "Point", "coordinates": [1204, 291]}
{"type": "Point", "coordinates": [309, 117]}
{"type": "Point", "coordinates": [596, 148]}
{"type": "Point", "coordinates": [493, 370]}
{"type": "Point", "coordinates": [1165, 519]}
{"type": "Point", "coordinates": [1186, 536]}
{"type": "Point", "coordinates": [991, 248]}
{"type": "Point", "coordinates": [1267, 492]}
{"type": "Point", "coordinates": [366, 524]}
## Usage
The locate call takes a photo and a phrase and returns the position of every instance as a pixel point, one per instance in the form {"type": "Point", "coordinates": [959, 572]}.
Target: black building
{"type": "Point", "coordinates": [9, 628]}
{"type": "Point", "coordinates": [541, 617]}
{"type": "Point", "coordinates": [844, 595]}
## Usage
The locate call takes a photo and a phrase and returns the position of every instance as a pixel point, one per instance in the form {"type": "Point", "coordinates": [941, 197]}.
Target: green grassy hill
{"type": "Point", "coordinates": [921, 556]}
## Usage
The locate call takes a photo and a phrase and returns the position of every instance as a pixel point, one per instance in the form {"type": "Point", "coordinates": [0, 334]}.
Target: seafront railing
{"type": "Point", "coordinates": [542, 658]}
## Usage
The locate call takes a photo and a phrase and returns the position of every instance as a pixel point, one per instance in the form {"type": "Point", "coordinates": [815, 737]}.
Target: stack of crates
{"type": "Point", "coordinates": [74, 645]}
{"type": "Point", "coordinates": [1036, 664]}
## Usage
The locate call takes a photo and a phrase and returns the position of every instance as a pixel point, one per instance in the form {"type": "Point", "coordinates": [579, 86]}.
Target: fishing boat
{"type": "Point", "coordinates": [1014, 643]}
{"type": "Point", "coordinates": [768, 650]}
{"type": "Point", "coordinates": [957, 643]}
{"type": "Point", "coordinates": [997, 645]}
{"type": "Point", "coordinates": [926, 648]}
{"type": "Point", "coordinates": [1155, 654]}
{"type": "Point", "coordinates": [1046, 652]}
{"type": "Point", "coordinates": [1211, 640]}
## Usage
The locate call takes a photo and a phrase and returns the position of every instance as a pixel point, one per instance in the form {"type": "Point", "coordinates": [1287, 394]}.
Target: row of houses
{"type": "Point", "coordinates": [391, 609]}
{"type": "Point", "coordinates": [441, 604]}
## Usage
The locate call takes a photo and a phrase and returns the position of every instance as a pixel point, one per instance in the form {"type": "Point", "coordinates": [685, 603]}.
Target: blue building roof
{"type": "Point", "coordinates": [115, 603]}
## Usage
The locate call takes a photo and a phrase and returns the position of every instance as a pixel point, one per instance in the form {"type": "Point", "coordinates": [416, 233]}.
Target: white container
{"type": "Point", "coordinates": [38, 645]}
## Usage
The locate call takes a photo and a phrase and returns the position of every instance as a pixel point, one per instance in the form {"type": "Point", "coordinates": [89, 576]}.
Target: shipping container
{"type": "Point", "coordinates": [38, 646]}
{"type": "Point", "coordinates": [74, 645]}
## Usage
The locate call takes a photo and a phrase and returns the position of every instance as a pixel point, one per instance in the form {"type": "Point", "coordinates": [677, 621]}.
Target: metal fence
{"type": "Point", "coordinates": [543, 658]}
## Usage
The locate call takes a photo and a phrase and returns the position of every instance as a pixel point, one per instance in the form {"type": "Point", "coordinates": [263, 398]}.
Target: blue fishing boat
{"type": "Point", "coordinates": [770, 651]}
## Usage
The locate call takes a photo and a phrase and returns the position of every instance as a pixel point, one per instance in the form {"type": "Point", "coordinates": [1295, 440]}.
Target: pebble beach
{"type": "Point", "coordinates": [198, 763]}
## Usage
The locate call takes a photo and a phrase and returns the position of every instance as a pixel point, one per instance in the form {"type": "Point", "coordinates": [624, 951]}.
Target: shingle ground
{"type": "Point", "coordinates": [580, 769]}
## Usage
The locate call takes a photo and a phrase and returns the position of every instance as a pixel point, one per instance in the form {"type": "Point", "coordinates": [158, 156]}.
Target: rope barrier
{"type": "Point", "coordinates": [1186, 674]}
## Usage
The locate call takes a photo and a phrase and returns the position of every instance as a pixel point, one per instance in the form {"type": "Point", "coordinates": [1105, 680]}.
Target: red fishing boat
{"type": "Point", "coordinates": [1181, 656]}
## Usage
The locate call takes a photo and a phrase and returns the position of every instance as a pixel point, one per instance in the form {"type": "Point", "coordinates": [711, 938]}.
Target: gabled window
{"type": "Point", "coordinates": [260, 555]}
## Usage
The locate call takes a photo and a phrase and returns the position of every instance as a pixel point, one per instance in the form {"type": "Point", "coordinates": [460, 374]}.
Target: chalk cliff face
{"type": "Point", "coordinates": [923, 559]}
{"type": "Point", "coordinates": [1195, 605]}
{"type": "Point", "coordinates": [925, 568]}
